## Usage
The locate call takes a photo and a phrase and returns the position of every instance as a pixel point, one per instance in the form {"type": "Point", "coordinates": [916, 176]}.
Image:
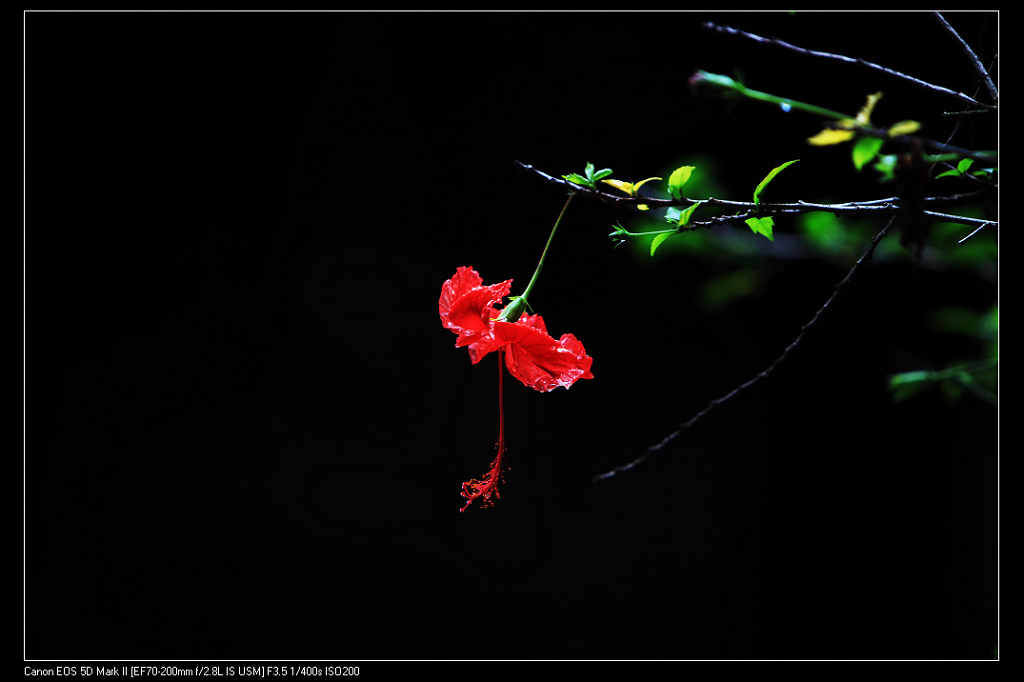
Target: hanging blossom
{"type": "Point", "coordinates": [530, 354]}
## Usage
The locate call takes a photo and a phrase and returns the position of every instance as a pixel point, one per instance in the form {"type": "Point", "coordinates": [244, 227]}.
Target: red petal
{"type": "Point", "coordinates": [472, 310]}
{"type": "Point", "coordinates": [464, 279]}
{"type": "Point", "coordinates": [467, 309]}
{"type": "Point", "coordinates": [538, 360]}
{"type": "Point", "coordinates": [583, 361]}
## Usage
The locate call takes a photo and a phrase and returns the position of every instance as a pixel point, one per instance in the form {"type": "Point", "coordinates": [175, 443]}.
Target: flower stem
{"type": "Point", "coordinates": [515, 309]}
{"type": "Point", "coordinates": [723, 86]}
{"type": "Point", "coordinates": [501, 405]}
{"type": "Point", "coordinates": [543, 255]}
{"type": "Point", "coordinates": [790, 103]}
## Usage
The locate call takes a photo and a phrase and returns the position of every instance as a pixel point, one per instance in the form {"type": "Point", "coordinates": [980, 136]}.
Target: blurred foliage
{"type": "Point", "coordinates": [742, 266]}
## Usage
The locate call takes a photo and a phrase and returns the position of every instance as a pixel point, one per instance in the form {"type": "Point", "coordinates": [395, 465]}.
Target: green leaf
{"type": "Point", "coordinates": [658, 239]}
{"type": "Point", "coordinates": [617, 231]}
{"type": "Point", "coordinates": [886, 166]}
{"type": "Point", "coordinates": [908, 384]}
{"type": "Point", "coordinates": [595, 176]}
{"type": "Point", "coordinates": [678, 179]}
{"type": "Point", "coordinates": [865, 149]}
{"type": "Point", "coordinates": [591, 177]}
{"type": "Point", "coordinates": [618, 234]}
{"type": "Point", "coordinates": [762, 226]}
{"type": "Point", "coordinates": [680, 217]}
{"type": "Point", "coordinates": [577, 179]}
{"type": "Point", "coordinates": [768, 178]}
{"type": "Point", "coordinates": [961, 168]}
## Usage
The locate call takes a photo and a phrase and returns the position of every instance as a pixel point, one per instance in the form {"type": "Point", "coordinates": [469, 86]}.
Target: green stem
{"type": "Point", "coordinates": [791, 103]}
{"type": "Point", "coordinates": [515, 309]}
{"type": "Point", "coordinates": [543, 255]}
{"type": "Point", "coordinates": [723, 86]}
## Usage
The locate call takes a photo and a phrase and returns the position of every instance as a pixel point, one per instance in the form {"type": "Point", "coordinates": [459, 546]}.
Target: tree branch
{"type": "Point", "coordinates": [764, 374]}
{"type": "Point", "coordinates": [849, 60]}
{"type": "Point", "coordinates": [975, 62]}
{"type": "Point", "coordinates": [885, 206]}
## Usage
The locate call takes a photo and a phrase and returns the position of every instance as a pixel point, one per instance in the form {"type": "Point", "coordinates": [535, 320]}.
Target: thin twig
{"type": "Point", "coordinates": [966, 113]}
{"type": "Point", "coordinates": [764, 374]}
{"type": "Point", "coordinates": [849, 60]}
{"type": "Point", "coordinates": [976, 231]}
{"type": "Point", "coordinates": [975, 62]}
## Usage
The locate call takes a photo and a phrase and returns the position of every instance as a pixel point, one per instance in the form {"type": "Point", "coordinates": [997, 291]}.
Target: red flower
{"type": "Point", "coordinates": [531, 355]}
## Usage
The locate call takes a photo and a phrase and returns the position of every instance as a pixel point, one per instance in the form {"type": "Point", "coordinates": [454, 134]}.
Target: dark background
{"type": "Point", "coordinates": [246, 429]}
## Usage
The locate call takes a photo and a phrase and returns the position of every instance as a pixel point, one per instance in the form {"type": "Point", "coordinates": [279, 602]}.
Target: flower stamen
{"type": "Point", "coordinates": [486, 489]}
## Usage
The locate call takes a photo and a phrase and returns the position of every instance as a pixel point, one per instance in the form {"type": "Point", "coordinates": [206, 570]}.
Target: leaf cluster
{"type": "Point", "coordinates": [590, 177]}
{"type": "Point", "coordinates": [680, 218]}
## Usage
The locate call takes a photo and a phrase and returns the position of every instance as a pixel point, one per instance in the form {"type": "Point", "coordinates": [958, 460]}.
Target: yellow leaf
{"type": "Point", "coordinates": [626, 187]}
{"type": "Point", "coordinates": [904, 128]}
{"type": "Point", "coordinates": [830, 136]}
{"type": "Point", "coordinates": [864, 115]}
{"type": "Point", "coordinates": [637, 185]}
